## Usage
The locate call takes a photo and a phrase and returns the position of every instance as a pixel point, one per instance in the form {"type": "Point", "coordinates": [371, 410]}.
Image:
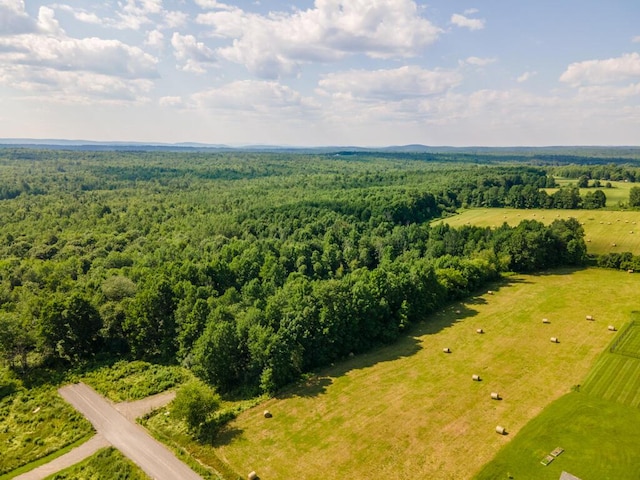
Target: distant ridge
{"type": "Point", "coordinates": [614, 152]}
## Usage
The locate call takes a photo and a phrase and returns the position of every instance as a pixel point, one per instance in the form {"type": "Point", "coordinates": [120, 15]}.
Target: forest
{"type": "Point", "coordinates": [253, 268]}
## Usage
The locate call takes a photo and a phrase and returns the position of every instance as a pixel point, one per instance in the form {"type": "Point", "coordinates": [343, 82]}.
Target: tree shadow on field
{"type": "Point", "coordinates": [409, 343]}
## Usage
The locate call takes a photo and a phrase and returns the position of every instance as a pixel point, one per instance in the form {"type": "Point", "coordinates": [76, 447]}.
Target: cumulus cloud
{"type": "Point", "coordinates": [213, 5]}
{"type": "Point", "coordinates": [80, 14]}
{"type": "Point", "coordinates": [408, 82]}
{"type": "Point", "coordinates": [599, 72]}
{"type": "Point", "coordinates": [155, 39]}
{"type": "Point", "coordinates": [13, 18]}
{"type": "Point", "coordinates": [48, 62]}
{"type": "Point", "coordinates": [170, 101]}
{"type": "Point", "coordinates": [636, 39]}
{"type": "Point", "coordinates": [525, 76]}
{"type": "Point", "coordinates": [466, 22]}
{"type": "Point", "coordinates": [194, 55]}
{"type": "Point", "coordinates": [263, 98]}
{"type": "Point", "coordinates": [278, 44]}
{"type": "Point", "coordinates": [478, 61]}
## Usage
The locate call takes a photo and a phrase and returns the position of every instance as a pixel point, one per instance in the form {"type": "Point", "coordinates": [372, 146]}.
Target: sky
{"type": "Point", "coordinates": [324, 72]}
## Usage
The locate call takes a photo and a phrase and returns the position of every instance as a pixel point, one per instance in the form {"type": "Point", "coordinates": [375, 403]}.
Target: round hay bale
{"type": "Point", "coordinates": [490, 292]}
{"type": "Point", "coordinates": [475, 378]}
{"type": "Point", "coordinates": [589, 317]}
{"type": "Point", "coordinates": [446, 350]}
{"type": "Point", "coordinates": [267, 414]}
{"type": "Point", "coordinates": [555, 340]}
{"type": "Point", "coordinates": [501, 430]}
{"type": "Point", "coordinates": [630, 270]}
{"type": "Point", "coordinates": [495, 396]}
{"type": "Point", "coordinates": [458, 312]}
{"type": "Point", "coordinates": [479, 330]}
{"type": "Point", "coordinates": [545, 320]}
{"type": "Point", "coordinates": [612, 328]}
{"type": "Point", "coordinates": [252, 476]}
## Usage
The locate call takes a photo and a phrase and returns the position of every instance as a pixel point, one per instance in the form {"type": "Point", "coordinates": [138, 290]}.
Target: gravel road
{"type": "Point", "coordinates": [131, 439]}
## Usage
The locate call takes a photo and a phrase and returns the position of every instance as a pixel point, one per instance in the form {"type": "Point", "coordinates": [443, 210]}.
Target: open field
{"type": "Point", "coordinates": [410, 410]}
{"type": "Point", "coordinates": [603, 228]}
{"type": "Point", "coordinates": [617, 194]}
{"type": "Point", "coordinates": [600, 441]}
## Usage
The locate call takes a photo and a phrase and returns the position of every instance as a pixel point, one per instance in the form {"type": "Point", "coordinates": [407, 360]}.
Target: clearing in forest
{"type": "Point", "coordinates": [605, 231]}
{"type": "Point", "coordinates": [410, 410]}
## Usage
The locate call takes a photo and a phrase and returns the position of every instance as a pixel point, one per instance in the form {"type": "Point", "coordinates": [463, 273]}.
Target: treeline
{"type": "Point", "coordinates": [249, 270]}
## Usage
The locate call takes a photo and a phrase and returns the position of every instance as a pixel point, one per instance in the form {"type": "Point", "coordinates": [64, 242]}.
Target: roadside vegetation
{"type": "Point", "coordinates": [107, 464]}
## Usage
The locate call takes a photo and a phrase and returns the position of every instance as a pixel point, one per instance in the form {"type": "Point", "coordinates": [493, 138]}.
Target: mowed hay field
{"type": "Point", "coordinates": [605, 231]}
{"type": "Point", "coordinates": [411, 411]}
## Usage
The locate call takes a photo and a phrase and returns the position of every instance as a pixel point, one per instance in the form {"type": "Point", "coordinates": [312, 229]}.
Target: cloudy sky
{"type": "Point", "coordinates": [323, 72]}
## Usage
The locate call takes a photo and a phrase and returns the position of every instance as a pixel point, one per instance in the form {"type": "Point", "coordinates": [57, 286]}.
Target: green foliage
{"type": "Point", "coordinates": [634, 197]}
{"type": "Point", "coordinates": [106, 464]}
{"type": "Point", "coordinates": [195, 403]}
{"type": "Point", "coordinates": [126, 381]}
{"type": "Point", "coordinates": [35, 423]}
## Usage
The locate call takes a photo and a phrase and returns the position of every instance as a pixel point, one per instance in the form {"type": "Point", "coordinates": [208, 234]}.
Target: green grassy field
{"type": "Point", "coordinates": [617, 194]}
{"type": "Point", "coordinates": [600, 441]}
{"type": "Point", "coordinates": [605, 231]}
{"type": "Point", "coordinates": [107, 464]}
{"type": "Point", "coordinates": [410, 410]}
{"type": "Point", "coordinates": [599, 427]}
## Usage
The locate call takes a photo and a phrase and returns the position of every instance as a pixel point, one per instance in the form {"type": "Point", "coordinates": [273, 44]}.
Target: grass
{"type": "Point", "coordinates": [600, 439]}
{"type": "Point", "coordinates": [408, 410]}
{"type": "Point", "coordinates": [126, 381]}
{"type": "Point", "coordinates": [616, 195]}
{"type": "Point", "coordinates": [106, 464]}
{"type": "Point", "coordinates": [603, 228]}
{"type": "Point", "coordinates": [616, 376]}
{"type": "Point", "coordinates": [35, 423]}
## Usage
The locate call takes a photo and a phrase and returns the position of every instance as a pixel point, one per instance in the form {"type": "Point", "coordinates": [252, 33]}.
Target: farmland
{"type": "Point", "coordinates": [409, 409]}
{"type": "Point", "coordinates": [605, 231]}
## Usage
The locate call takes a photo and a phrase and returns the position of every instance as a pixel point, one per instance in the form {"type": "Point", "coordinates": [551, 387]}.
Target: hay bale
{"type": "Point", "coordinates": [612, 328]}
{"type": "Point", "coordinates": [475, 378]}
{"type": "Point", "coordinates": [252, 476]}
{"type": "Point", "coordinates": [589, 317]}
{"type": "Point", "coordinates": [495, 396]}
{"type": "Point", "coordinates": [267, 414]}
{"type": "Point", "coordinates": [446, 350]}
{"type": "Point", "coordinates": [555, 340]}
{"type": "Point", "coordinates": [501, 430]}
{"type": "Point", "coordinates": [545, 320]}
{"type": "Point", "coordinates": [490, 292]}
{"type": "Point", "coordinates": [630, 270]}
{"type": "Point", "coordinates": [479, 330]}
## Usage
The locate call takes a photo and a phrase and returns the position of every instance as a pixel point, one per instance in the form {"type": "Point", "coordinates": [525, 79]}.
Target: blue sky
{"type": "Point", "coordinates": [323, 72]}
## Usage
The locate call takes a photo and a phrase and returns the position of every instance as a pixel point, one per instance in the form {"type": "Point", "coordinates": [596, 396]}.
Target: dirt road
{"type": "Point", "coordinates": [131, 439]}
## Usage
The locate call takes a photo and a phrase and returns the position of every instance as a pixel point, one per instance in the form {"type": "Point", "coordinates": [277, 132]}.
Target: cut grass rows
{"type": "Point", "coordinates": [409, 410]}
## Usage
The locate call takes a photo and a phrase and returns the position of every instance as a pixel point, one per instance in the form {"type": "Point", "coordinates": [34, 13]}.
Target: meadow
{"type": "Point", "coordinates": [107, 464]}
{"type": "Point", "coordinates": [411, 410]}
{"type": "Point", "coordinates": [605, 231]}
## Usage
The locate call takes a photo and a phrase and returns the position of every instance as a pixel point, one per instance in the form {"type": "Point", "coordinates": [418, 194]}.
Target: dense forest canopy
{"type": "Point", "coordinates": [252, 268]}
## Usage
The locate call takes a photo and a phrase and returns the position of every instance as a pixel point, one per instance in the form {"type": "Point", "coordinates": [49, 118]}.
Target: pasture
{"type": "Point", "coordinates": [605, 231]}
{"type": "Point", "coordinates": [617, 195]}
{"type": "Point", "coordinates": [600, 441]}
{"type": "Point", "coordinates": [409, 410]}
{"type": "Point", "coordinates": [598, 426]}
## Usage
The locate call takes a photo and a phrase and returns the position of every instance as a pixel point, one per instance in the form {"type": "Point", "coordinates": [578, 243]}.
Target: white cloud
{"type": "Point", "coordinates": [74, 87]}
{"type": "Point", "coordinates": [253, 97]}
{"type": "Point", "coordinates": [636, 39]}
{"type": "Point", "coordinates": [194, 55]}
{"type": "Point", "coordinates": [278, 44]}
{"type": "Point", "coordinates": [155, 39]}
{"type": "Point", "coordinates": [80, 14]}
{"type": "Point", "coordinates": [170, 101]}
{"type": "Point", "coordinates": [598, 72]}
{"type": "Point", "coordinates": [213, 5]}
{"type": "Point", "coordinates": [47, 22]}
{"type": "Point", "coordinates": [478, 61]}
{"type": "Point", "coordinates": [175, 19]}
{"type": "Point", "coordinates": [466, 22]}
{"type": "Point", "coordinates": [526, 76]}
{"type": "Point", "coordinates": [14, 19]}
{"type": "Point", "coordinates": [408, 82]}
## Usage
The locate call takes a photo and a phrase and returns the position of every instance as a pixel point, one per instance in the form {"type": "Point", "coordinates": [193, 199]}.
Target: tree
{"type": "Point", "coordinates": [16, 339]}
{"type": "Point", "coordinates": [70, 327]}
{"type": "Point", "coordinates": [150, 324]}
{"type": "Point", "coordinates": [634, 197]}
{"type": "Point", "coordinates": [195, 403]}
